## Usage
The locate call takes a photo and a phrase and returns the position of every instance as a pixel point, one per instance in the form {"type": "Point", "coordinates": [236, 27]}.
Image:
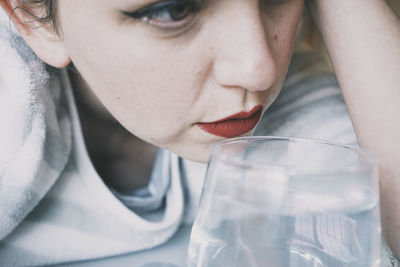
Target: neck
{"type": "Point", "coordinates": [122, 160]}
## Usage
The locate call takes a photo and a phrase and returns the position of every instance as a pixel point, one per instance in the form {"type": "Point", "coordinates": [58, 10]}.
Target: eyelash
{"type": "Point", "coordinates": [161, 14]}
{"type": "Point", "coordinates": [164, 9]}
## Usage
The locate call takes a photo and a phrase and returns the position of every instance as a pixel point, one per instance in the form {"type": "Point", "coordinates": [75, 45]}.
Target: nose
{"type": "Point", "coordinates": [244, 58]}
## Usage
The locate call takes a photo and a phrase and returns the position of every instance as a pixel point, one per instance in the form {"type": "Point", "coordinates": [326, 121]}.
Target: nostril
{"type": "Point", "coordinates": [246, 71]}
{"type": "Point", "coordinates": [259, 75]}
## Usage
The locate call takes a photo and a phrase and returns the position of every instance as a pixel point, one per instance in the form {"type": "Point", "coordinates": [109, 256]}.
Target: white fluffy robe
{"type": "Point", "coordinates": [35, 136]}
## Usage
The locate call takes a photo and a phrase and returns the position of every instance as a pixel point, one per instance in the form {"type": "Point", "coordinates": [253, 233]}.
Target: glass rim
{"type": "Point", "coordinates": [370, 162]}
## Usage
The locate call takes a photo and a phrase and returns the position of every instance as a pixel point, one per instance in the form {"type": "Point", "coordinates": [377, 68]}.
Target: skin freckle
{"type": "Point", "coordinates": [162, 66]}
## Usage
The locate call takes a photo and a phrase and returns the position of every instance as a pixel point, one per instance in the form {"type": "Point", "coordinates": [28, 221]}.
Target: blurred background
{"type": "Point", "coordinates": [395, 4]}
{"type": "Point", "coordinates": [308, 37]}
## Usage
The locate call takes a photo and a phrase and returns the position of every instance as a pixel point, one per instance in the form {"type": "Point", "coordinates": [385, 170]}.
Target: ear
{"type": "Point", "coordinates": [42, 39]}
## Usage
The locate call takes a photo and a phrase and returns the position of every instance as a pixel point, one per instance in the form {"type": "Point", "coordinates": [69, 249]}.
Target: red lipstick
{"type": "Point", "coordinates": [234, 125]}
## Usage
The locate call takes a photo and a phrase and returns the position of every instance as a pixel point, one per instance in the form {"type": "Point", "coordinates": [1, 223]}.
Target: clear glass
{"type": "Point", "coordinates": [280, 202]}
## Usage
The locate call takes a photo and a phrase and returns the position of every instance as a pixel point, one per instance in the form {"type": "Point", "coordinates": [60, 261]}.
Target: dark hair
{"type": "Point", "coordinates": [43, 11]}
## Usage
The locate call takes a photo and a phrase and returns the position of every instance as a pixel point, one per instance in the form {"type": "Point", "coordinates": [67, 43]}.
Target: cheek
{"type": "Point", "coordinates": [280, 35]}
{"type": "Point", "coordinates": [149, 88]}
{"type": "Point", "coordinates": [157, 92]}
{"type": "Point", "coordinates": [281, 47]}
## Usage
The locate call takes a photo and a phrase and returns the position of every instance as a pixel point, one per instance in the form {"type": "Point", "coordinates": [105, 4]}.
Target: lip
{"type": "Point", "coordinates": [233, 125]}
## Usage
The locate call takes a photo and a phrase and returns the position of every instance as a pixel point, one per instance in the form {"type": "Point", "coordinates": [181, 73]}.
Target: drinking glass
{"type": "Point", "coordinates": [280, 202]}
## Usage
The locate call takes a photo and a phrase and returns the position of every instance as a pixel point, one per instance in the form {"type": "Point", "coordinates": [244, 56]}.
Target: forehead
{"type": "Point", "coordinates": [126, 4]}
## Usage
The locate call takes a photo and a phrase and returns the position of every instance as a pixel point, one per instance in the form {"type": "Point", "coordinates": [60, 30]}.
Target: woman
{"type": "Point", "coordinates": [171, 73]}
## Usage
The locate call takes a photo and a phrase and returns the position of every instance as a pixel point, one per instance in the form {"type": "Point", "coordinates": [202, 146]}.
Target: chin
{"type": "Point", "coordinates": [198, 156]}
{"type": "Point", "coordinates": [201, 159]}
{"type": "Point", "coordinates": [198, 153]}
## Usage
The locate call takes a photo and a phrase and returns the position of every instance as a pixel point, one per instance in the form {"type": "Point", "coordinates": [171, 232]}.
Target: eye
{"type": "Point", "coordinates": [169, 14]}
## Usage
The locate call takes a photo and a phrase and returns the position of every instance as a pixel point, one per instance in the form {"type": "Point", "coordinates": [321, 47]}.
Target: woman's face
{"type": "Point", "coordinates": [168, 70]}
